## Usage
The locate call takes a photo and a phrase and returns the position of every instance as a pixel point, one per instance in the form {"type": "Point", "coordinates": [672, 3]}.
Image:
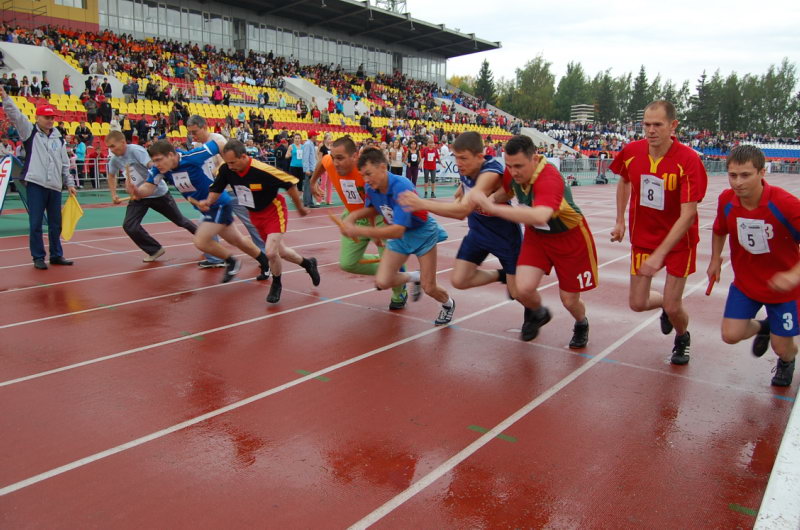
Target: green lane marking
{"type": "Point", "coordinates": [742, 509]}
{"type": "Point", "coordinates": [186, 334]}
{"type": "Point", "coordinates": [483, 430]}
{"type": "Point", "coordinates": [318, 378]}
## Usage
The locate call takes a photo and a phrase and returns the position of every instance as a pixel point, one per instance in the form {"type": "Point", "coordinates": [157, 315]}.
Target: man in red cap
{"type": "Point", "coordinates": [46, 168]}
{"type": "Point", "coordinates": [309, 163]}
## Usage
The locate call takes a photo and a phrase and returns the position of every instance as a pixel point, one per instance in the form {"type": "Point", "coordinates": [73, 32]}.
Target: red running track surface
{"type": "Point", "coordinates": [136, 395]}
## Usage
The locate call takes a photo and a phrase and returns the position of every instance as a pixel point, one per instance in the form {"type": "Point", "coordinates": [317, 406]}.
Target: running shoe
{"type": "Point", "coordinates": [208, 264]}
{"type": "Point", "coordinates": [399, 300]}
{"type": "Point", "coordinates": [274, 295]}
{"type": "Point", "coordinates": [232, 267]}
{"type": "Point", "coordinates": [761, 342]}
{"type": "Point", "coordinates": [263, 275]}
{"type": "Point", "coordinates": [154, 256]}
{"type": "Point", "coordinates": [783, 373]}
{"type": "Point", "coordinates": [580, 335]}
{"type": "Point", "coordinates": [680, 352]}
{"type": "Point", "coordinates": [313, 271]}
{"type": "Point", "coordinates": [416, 291]}
{"type": "Point", "coordinates": [446, 314]}
{"type": "Point", "coordinates": [666, 325]}
{"type": "Point", "coordinates": [531, 325]}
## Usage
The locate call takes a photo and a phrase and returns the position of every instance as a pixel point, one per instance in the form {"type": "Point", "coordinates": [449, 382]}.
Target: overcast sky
{"type": "Point", "coordinates": [679, 39]}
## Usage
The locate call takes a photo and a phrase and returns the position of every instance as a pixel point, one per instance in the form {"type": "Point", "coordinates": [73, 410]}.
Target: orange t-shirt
{"type": "Point", "coordinates": [350, 187]}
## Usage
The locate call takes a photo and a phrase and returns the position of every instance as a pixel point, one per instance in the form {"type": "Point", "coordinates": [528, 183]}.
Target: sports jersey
{"type": "Point", "coordinates": [658, 188]}
{"type": "Point", "coordinates": [137, 158]}
{"type": "Point", "coordinates": [189, 176]}
{"type": "Point", "coordinates": [764, 241]}
{"type": "Point", "coordinates": [256, 187]}
{"type": "Point", "coordinates": [546, 188]}
{"type": "Point", "coordinates": [477, 219]}
{"type": "Point", "coordinates": [212, 163]}
{"type": "Point", "coordinates": [429, 157]}
{"type": "Point", "coordinates": [387, 206]}
{"type": "Point", "coordinates": [350, 187]}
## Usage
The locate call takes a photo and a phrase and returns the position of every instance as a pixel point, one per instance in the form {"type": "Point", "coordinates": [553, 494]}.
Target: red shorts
{"type": "Point", "coordinates": [679, 263]}
{"type": "Point", "coordinates": [272, 219]}
{"type": "Point", "coordinates": [571, 253]}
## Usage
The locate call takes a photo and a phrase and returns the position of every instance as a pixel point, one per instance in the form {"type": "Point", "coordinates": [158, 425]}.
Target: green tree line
{"type": "Point", "coordinates": [764, 104]}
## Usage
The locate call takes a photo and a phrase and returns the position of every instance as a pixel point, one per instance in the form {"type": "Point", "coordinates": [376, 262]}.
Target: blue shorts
{"type": "Point", "coordinates": [220, 214]}
{"type": "Point", "coordinates": [478, 244]}
{"type": "Point", "coordinates": [782, 317]}
{"type": "Point", "coordinates": [418, 241]}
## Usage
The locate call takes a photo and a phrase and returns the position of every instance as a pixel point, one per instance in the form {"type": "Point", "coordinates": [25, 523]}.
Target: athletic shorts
{"type": "Point", "coordinates": [571, 253]}
{"type": "Point", "coordinates": [430, 175]}
{"type": "Point", "coordinates": [477, 245]}
{"type": "Point", "coordinates": [418, 241]}
{"type": "Point", "coordinates": [272, 219]}
{"type": "Point", "coordinates": [782, 317]}
{"type": "Point", "coordinates": [219, 214]}
{"type": "Point", "coordinates": [679, 263]}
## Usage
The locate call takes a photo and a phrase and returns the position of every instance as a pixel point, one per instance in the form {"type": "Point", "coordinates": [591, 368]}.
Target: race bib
{"type": "Point", "coordinates": [413, 157]}
{"type": "Point", "coordinates": [245, 196]}
{"type": "Point", "coordinates": [350, 192]}
{"type": "Point", "coordinates": [298, 153]}
{"type": "Point", "coordinates": [183, 182]}
{"type": "Point", "coordinates": [753, 235]}
{"type": "Point", "coordinates": [652, 192]}
{"type": "Point", "coordinates": [387, 213]}
{"type": "Point", "coordinates": [431, 157]}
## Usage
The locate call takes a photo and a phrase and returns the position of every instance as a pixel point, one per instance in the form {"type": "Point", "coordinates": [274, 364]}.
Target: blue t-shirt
{"type": "Point", "coordinates": [189, 177]}
{"type": "Point", "coordinates": [477, 220]}
{"type": "Point", "coordinates": [297, 155]}
{"type": "Point", "coordinates": [387, 206]}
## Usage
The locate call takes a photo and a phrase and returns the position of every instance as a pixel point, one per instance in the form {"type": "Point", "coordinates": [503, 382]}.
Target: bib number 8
{"type": "Point", "coordinates": [650, 195]}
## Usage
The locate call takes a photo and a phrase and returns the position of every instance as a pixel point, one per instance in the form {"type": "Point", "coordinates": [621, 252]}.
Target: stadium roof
{"type": "Point", "coordinates": [360, 19]}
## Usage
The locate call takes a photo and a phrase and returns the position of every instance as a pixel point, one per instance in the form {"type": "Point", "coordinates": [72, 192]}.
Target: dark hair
{"type": "Point", "coordinates": [469, 141]}
{"type": "Point", "coordinates": [346, 142]}
{"type": "Point", "coordinates": [197, 120]}
{"type": "Point", "coordinates": [741, 154]}
{"type": "Point", "coordinates": [236, 146]}
{"type": "Point", "coordinates": [668, 107]}
{"type": "Point", "coordinates": [161, 147]}
{"type": "Point", "coordinates": [372, 156]}
{"type": "Point", "coordinates": [520, 143]}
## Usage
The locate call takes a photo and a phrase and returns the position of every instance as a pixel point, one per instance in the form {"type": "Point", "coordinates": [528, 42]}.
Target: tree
{"type": "Point", "coordinates": [531, 96]}
{"type": "Point", "coordinates": [730, 104]}
{"type": "Point", "coordinates": [605, 98]}
{"type": "Point", "coordinates": [778, 86]}
{"type": "Point", "coordinates": [639, 95]}
{"type": "Point", "coordinates": [484, 85]}
{"type": "Point", "coordinates": [464, 83]}
{"type": "Point", "coordinates": [573, 89]}
{"type": "Point", "coordinates": [623, 92]}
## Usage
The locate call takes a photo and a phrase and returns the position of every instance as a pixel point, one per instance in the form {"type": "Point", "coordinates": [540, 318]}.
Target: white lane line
{"type": "Point", "coordinates": [149, 269]}
{"type": "Point", "coordinates": [68, 243]}
{"type": "Point", "coordinates": [780, 507]}
{"type": "Point", "coordinates": [446, 466]}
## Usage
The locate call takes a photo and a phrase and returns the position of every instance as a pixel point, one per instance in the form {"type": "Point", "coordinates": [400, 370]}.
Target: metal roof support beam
{"type": "Point", "coordinates": [422, 35]}
{"type": "Point", "coordinates": [364, 32]}
{"type": "Point", "coordinates": [281, 8]}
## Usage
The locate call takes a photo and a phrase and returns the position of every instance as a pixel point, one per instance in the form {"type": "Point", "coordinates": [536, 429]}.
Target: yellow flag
{"type": "Point", "coordinates": [70, 215]}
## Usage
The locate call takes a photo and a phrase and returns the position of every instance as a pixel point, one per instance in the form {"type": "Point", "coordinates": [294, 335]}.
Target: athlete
{"type": "Point", "coordinates": [185, 172]}
{"type": "Point", "coordinates": [340, 165]}
{"type": "Point", "coordinates": [430, 157]}
{"type": "Point", "coordinates": [664, 180]}
{"type": "Point", "coordinates": [408, 233]}
{"type": "Point", "coordinates": [763, 225]}
{"type": "Point", "coordinates": [256, 185]}
{"type": "Point", "coordinates": [557, 236]}
{"type": "Point", "coordinates": [487, 234]}
{"type": "Point", "coordinates": [134, 159]}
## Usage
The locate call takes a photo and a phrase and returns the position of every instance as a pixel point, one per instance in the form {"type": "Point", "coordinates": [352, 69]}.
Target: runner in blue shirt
{"type": "Point", "coordinates": [185, 171]}
{"type": "Point", "coordinates": [408, 233]}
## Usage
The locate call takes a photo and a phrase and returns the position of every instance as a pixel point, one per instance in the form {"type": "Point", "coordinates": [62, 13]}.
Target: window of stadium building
{"type": "Point", "coordinates": [81, 4]}
{"type": "Point", "coordinates": [146, 18]}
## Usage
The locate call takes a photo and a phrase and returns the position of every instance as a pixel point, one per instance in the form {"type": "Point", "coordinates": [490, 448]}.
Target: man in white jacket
{"type": "Point", "coordinates": [45, 170]}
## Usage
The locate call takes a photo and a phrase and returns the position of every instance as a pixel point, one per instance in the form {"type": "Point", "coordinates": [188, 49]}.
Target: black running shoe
{"type": "Point", "coordinates": [206, 264]}
{"type": "Point", "coordinates": [680, 352]}
{"type": "Point", "coordinates": [232, 267]}
{"type": "Point", "coordinates": [313, 271]}
{"type": "Point", "coordinates": [446, 314]}
{"type": "Point", "coordinates": [580, 335]}
{"type": "Point", "coordinates": [530, 328]}
{"type": "Point", "coordinates": [666, 325]}
{"type": "Point", "coordinates": [761, 342]}
{"type": "Point", "coordinates": [274, 295]}
{"type": "Point", "coordinates": [783, 373]}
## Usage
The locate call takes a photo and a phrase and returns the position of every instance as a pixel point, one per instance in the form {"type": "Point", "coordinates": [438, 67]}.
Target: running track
{"type": "Point", "coordinates": [148, 395]}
